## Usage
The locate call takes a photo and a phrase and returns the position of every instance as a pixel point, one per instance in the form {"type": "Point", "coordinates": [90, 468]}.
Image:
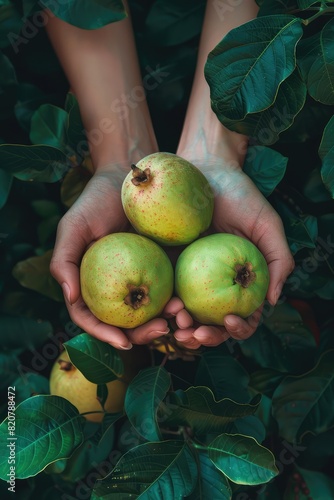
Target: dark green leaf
{"type": "Point", "coordinates": [47, 428]}
{"type": "Point", "coordinates": [6, 180]}
{"type": "Point", "coordinates": [326, 153]}
{"type": "Point", "coordinates": [250, 426]}
{"type": "Point", "coordinates": [236, 67]}
{"type": "Point", "coordinates": [304, 404]}
{"type": "Point", "coordinates": [98, 361]}
{"type": "Point", "coordinates": [242, 459]}
{"type": "Point", "coordinates": [48, 126]}
{"type": "Point", "coordinates": [34, 273]}
{"type": "Point", "coordinates": [320, 485]}
{"type": "Point", "coordinates": [211, 482]}
{"type": "Point", "coordinates": [315, 56]}
{"type": "Point", "coordinates": [38, 163]}
{"type": "Point", "coordinates": [18, 332]}
{"type": "Point", "coordinates": [164, 470]}
{"type": "Point", "coordinates": [142, 400]}
{"type": "Point", "coordinates": [8, 87]}
{"type": "Point", "coordinates": [30, 98]}
{"type": "Point", "coordinates": [30, 384]}
{"type": "Point", "coordinates": [266, 380]}
{"type": "Point", "coordinates": [8, 368]}
{"type": "Point", "coordinates": [75, 134]}
{"type": "Point", "coordinates": [266, 167]}
{"type": "Point", "coordinates": [306, 4]}
{"type": "Point", "coordinates": [87, 14]}
{"type": "Point", "coordinates": [269, 7]}
{"type": "Point", "coordinates": [10, 21]}
{"type": "Point", "coordinates": [46, 208]}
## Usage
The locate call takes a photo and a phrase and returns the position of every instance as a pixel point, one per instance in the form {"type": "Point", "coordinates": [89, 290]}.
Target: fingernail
{"type": "Point", "coordinates": [125, 347]}
{"type": "Point", "coordinates": [200, 336]}
{"type": "Point", "coordinates": [231, 326]}
{"type": "Point", "coordinates": [66, 292]}
{"type": "Point", "coordinates": [164, 332]}
{"type": "Point", "coordinates": [278, 292]}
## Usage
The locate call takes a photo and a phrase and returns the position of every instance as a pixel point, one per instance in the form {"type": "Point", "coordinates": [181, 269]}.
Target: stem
{"type": "Point", "coordinates": [323, 9]}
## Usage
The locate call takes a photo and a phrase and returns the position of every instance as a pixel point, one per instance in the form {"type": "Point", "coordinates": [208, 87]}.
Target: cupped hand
{"type": "Point", "coordinates": [240, 209]}
{"type": "Point", "coordinates": [97, 212]}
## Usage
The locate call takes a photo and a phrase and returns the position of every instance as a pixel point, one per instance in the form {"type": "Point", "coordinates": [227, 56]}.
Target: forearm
{"type": "Point", "coordinates": [103, 72]}
{"type": "Point", "coordinates": [203, 134]}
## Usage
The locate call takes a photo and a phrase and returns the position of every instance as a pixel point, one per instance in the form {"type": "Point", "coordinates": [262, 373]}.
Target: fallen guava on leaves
{"type": "Point", "coordinates": [168, 199]}
{"type": "Point", "coordinates": [126, 279]}
{"type": "Point", "coordinates": [221, 274]}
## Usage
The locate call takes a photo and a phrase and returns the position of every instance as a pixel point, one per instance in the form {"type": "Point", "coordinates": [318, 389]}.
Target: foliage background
{"type": "Point", "coordinates": [289, 359]}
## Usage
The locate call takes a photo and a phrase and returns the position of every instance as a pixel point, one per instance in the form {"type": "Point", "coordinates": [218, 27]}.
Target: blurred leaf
{"type": "Point", "coordinates": [6, 180]}
{"type": "Point", "coordinates": [315, 58]}
{"type": "Point", "coordinates": [211, 482]}
{"type": "Point", "coordinates": [320, 485]}
{"type": "Point", "coordinates": [55, 429]}
{"type": "Point", "coordinates": [87, 14]}
{"type": "Point", "coordinates": [30, 98]}
{"type": "Point", "coordinates": [18, 332]}
{"type": "Point", "coordinates": [10, 21]}
{"type": "Point", "coordinates": [281, 342]}
{"type": "Point", "coordinates": [173, 23]}
{"type": "Point", "coordinates": [224, 375]}
{"type": "Point", "coordinates": [314, 189]}
{"type": "Point", "coordinates": [197, 408]}
{"type": "Point", "coordinates": [75, 181]}
{"type": "Point", "coordinates": [98, 361]}
{"type": "Point", "coordinates": [34, 273]}
{"type": "Point", "coordinates": [28, 385]}
{"type": "Point", "coordinates": [304, 404]}
{"type": "Point", "coordinates": [46, 208]}
{"type": "Point", "coordinates": [250, 426]}
{"type": "Point", "coordinates": [75, 134]}
{"type": "Point", "coordinates": [142, 400]}
{"type": "Point", "coordinates": [305, 4]}
{"type": "Point", "coordinates": [48, 126]}
{"type": "Point", "coordinates": [8, 87]}
{"type": "Point", "coordinates": [235, 67]}
{"type": "Point", "coordinates": [242, 459]}
{"type": "Point", "coordinates": [38, 163]}
{"type": "Point", "coordinates": [269, 7]}
{"type": "Point", "coordinates": [318, 451]}
{"type": "Point", "coordinates": [266, 380]}
{"type": "Point", "coordinates": [326, 153]}
{"type": "Point", "coordinates": [164, 469]}
{"type": "Point", "coordinates": [266, 167]}
{"type": "Point", "coordinates": [8, 368]}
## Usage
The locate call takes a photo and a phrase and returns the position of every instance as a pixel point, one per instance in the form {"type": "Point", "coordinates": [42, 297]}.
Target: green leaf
{"type": "Point", "coordinates": [18, 332]}
{"type": "Point", "coordinates": [46, 208]}
{"type": "Point", "coordinates": [6, 180]}
{"type": "Point", "coordinates": [197, 408]}
{"type": "Point", "coordinates": [34, 273]}
{"type": "Point", "coordinates": [306, 4]}
{"type": "Point", "coordinates": [265, 126]}
{"type": "Point", "coordinates": [47, 428]}
{"type": "Point", "coordinates": [142, 400]}
{"type": "Point", "coordinates": [266, 380]}
{"type": "Point", "coordinates": [304, 404]}
{"type": "Point", "coordinates": [48, 126]}
{"type": "Point", "coordinates": [235, 68]}
{"type": "Point", "coordinates": [8, 87]}
{"type": "Point", "coordinates": [320, 485]}
{"type": "Point", "coordinates": [164, 470]}
{"type": "Point", "coordinates": [211, 482]}
{"type": "Point", "coordinates": [10, 21]}
{"type": "Point", "coordinates": [315, 58]}
{"type": "Point", "coordinates": [98, 361]}
{"type": "Point", "coordinates": [30, 98]}
{"type": "Point", "coordinates": [242, 459]}
{"type": "Point", "coordinates": [266, 167]}
{"type": "Point", "coordinates": [326, 153]}
{"type": "Point", "coordinates": [87, 14]}
{"type": "Point", "coordinates": [9, 363]}
{"type": "Point", "coordinates": [75, 134]}
{"type": "Point", "coordinates": [37, 163]}
{"type": "Point", "coordinates": [29, 385]}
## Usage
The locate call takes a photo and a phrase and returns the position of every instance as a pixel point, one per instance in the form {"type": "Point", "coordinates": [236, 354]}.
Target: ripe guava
{"type": "Point", "coordinates": [67, 381]}
{"type": "Point", "coordinates": [167, 199]}
{"type": "Point", "coordinates": [221, 274]}
{"type": "Point", "coordinates": [126, 279]}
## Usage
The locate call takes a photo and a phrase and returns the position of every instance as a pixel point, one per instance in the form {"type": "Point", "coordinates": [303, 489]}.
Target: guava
{"type": "Point", "coordinates": [126, 279]}
{"type": "Point", "coordinates": [221, 274]}
{"type": "Point", "coordinates": [67, 381]}
{"type": "Point", "coordinates": [168, 199]}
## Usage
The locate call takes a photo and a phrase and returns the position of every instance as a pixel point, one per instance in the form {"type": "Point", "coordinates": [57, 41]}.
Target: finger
{"type": "Point", "coordinates": [151, 330]}
{"type": "Point", "coordinates": [185, 335]}
{"type": "Point", "coordinates": [183, 319]}
{"type": "Point", "coordinates": [66, 258]}
{"type": "Point", "coordinates": [190, 343]}
{"type": "Point", "coordinates": [211, 336]}
{"type": "Point", "coordinates": [173, 307]}
{"type": "Point", "coordinates": [241, 329]}
{"type": "Point", "coordinates": [81, 316]}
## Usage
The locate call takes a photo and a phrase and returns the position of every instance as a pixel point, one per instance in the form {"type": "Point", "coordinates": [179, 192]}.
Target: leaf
{"type": "Point", "coordinates": [142, 400]}
{"type": "Point", "coordinates": [242, 459]}
{"type": "Point", "coordinates": [46, 208]}
{"type": "Point", "coordinates": [306, 4]}
{"type": "Point", "coordinates": [28, 385]}
{"type": "Point", "coordinates": [235, 68]}
{"type": "Point", "coordinates": [266, 380]}
{"type": "Point", "coordinates": [47, 428]}
{"type": "Point", "coordinates": [326, 153]}
{"type": "Point", "coordinates": [18, 332]}
{"type": "Point", "coordinates": [320, 485]}
{"type": "Point", "coordinates": [265, 126]}
{"type": "Point", "coordinates": [164, 470]}
{"type": "Point", "coordinates": [98, 361]}
{"type": "Point", "coordinates": [75, 132]}
{"type": "Point", "coordinates": [48, 126]}
{"type": "Point", "coordinates": [266, 167]}
{"type": "Point", "coordinates": [315, 58]}
{"type": "Point", "coordinates": [9, 363]}
{"type": "Point", "coordinates": [30, 98]}
{"type": "Point", "coordinates": [38, 163]}
{"type": "Point", "coordinates": [197, 408]}
{"type": "Point", "coordinates": [304, 404]}
{"type": "Point", "coordinates": [8, 86]}
{"type": "Point", "coordinates": [10, 21]}
{"type": "Point", "coordinates": [211, 482]}
{"type": "Point", "coordinates": [6, 180]}
{"type": "Point", "coordinates": [75, 181]}
{"type": "Point", "coordinates": [87, 14]}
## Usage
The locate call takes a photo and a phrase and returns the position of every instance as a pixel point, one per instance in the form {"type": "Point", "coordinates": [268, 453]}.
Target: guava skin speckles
{"type": "Point", "coordinates": [174, 206]}
{"type": "Point", "coordinates": [124, 266]}
{"type": "Point", "coordinates": [205, 278]}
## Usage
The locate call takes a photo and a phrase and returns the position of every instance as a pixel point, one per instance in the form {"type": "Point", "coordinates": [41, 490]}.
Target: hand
{"type": "Point", "coordinates": [97, 212]}
{"type": "Point", "coordinates": [240, 209]}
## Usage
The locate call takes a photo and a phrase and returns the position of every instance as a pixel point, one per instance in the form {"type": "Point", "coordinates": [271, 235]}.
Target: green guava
{"type": "Point", "coordinates": [167, 199]}
{"type": "Point", "coordinates": [221, 274]}
{"type": "Point", "coordinates": [126, 279]}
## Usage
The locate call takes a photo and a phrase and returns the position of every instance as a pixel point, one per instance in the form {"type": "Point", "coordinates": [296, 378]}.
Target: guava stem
{"type": "Point", "coordinates": [137, 296]}
{"type": "Point", "coordinates": [245, 274]}
{"type": "Point", "coordinates": [140, 176]}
